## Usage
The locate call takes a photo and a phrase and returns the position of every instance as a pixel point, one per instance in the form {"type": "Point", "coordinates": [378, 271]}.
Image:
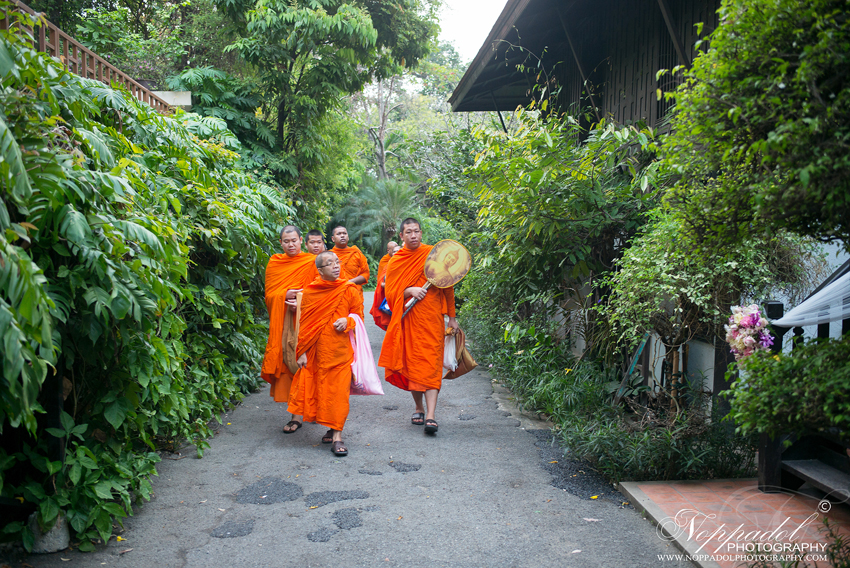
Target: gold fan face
{"type": "Point", "coordinates": [447, 263]}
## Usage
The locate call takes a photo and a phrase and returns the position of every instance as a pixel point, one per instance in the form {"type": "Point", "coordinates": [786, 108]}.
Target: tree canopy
{"type": "Point", "coordinates": [761, 132]}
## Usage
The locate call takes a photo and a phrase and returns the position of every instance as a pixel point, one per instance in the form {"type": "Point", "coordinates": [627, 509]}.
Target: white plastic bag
{"type": "Point", "coordinates": [450, 353]}
{"type": "Point", "coordinates": [364, 374]}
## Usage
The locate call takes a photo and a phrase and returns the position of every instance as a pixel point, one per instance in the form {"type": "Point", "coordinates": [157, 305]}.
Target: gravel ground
{"type": "Point", "coordinates": [573, 476]}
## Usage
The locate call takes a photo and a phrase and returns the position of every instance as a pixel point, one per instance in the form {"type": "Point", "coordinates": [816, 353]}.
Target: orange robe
{"type": "Point", "coordinates": [382, 320]}
{"type": "Point", "coordinates": [320, 390]}
{"type": "Point", "coordinates": [352, 263]}
{"type": "Point", "coordinates": [283, 273]}
{"type": "Point", "coordinates": [412, 352]}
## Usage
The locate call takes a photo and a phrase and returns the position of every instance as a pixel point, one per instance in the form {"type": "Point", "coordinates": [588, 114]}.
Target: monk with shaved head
{"type": "Point", "coordinates": [412, 352]}
{"type": "Point", "coordinates": [382, 319]}
{"type": "Point", "coordinates": [322, 385]}
{"type": "Point", "coordinates": [286, 275]}
{"type": "Point", "coordinates": [353, 263]}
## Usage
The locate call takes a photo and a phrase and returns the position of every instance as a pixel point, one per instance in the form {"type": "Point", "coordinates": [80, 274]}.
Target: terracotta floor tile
{"type": "Point", "coordinates": [672, 497]}
{"type": "Point", "coordinates": [655, 490]}
{"type": "Point", "coordinates": [684, 487]}
{"type": "Point", "coordinates": [702, 496]}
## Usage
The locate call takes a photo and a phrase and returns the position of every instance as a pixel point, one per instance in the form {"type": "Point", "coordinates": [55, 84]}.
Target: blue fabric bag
{"type": "Point", "coordinates": [385, 307]}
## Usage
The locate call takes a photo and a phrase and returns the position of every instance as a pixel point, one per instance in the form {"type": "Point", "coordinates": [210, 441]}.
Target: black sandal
{"type": "Point", "coordinates": [431, 426]}
{"type": "Point", "coordinates": [290, 424]}
{"type": "Point", "coordinates": [418, 418]}
{"type": "Point", "coordinates": [339, 449]}
{"type": "Point", "coordinates": [328, 437]}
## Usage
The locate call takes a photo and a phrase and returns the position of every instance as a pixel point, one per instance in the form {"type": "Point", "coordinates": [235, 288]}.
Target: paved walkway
{"type": "Point", "coordinates": [717, 523]}
{"type": "Point", "coordinates": [477, 495]}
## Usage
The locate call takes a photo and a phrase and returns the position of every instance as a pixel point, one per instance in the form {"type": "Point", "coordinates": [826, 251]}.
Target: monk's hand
{"type": "Point", "coordinates": [341, 324]}
{"type": "Point", "coordinates": [453, 324]}
{"type": "Point", "coordinates": [290, 294]}
{"type": "Point", "coordinates": [302, 361]}
{"type": "Point", "coordinates": [415, 292]}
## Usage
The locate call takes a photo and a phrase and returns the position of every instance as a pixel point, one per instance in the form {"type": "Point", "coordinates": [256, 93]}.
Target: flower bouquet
{"type": "Point", "coordinates": [747, 332]}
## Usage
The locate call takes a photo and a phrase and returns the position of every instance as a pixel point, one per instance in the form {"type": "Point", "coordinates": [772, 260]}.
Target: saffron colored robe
{"type": "Point", "coordinates": [283, 273]}
{"type": "Point", "coordinates": [320, 390]}
{"type": "Point", "coordinates": [352, 263]}
{"type": "Point", "coordinates": [412, 352]}
{"type": "Point", "coordinates": [382, 320]}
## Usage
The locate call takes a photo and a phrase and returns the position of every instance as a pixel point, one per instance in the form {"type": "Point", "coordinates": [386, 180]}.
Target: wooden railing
{"type": "Point", "coordinates": [77, 58]}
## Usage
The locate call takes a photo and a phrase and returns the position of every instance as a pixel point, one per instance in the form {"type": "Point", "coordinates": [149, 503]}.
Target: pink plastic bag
{"type": "Point", "coordinates": [364, 374]}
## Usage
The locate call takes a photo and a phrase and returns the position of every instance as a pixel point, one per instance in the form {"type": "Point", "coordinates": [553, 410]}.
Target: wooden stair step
{"type": "Point", "coordinates": [834, 482]}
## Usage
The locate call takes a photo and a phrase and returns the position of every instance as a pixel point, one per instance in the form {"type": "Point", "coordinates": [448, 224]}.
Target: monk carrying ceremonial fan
{"type": "Point", "coordinates": [412, 352]}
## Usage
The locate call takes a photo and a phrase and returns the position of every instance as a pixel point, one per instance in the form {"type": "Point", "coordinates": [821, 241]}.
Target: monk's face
{"type": "Point", "coordinates": [329, 267]}
{"type": "Point", "coordinates": [291, 243]}
{"type": "Point", "coordinates": [411, 234]}
{"type": "Point", "coordinates": [315, 244]}
{"type": "Point", "coordinates": [391, 246]}
{"type": "Point", "coordinates": [395, 250]}
{"type": "Point", "coordinates": [340, 237]}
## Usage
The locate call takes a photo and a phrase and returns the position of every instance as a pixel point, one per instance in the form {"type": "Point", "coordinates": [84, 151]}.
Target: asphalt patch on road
{"type": "Point", "coordinates": [393, 407]}
{"type": "Point", "coordinates": [233, 529]}
{"type": "Point", "coordinates": [269, 490]}
{"type": "Point", "coordinates": [405, 467]}
{"type": "Point", "coordinates": [574, 476]}
{"type": "Point", "coordinates": [321, 535]}
{"type": "Point", "coordinates": [466, 417]}
{"type": "Point", "coordinates": [322, 498]}
{"type": "Point", "coordinates": [347, 519]}
{"type": "Point", "coordinates": [370, 472]}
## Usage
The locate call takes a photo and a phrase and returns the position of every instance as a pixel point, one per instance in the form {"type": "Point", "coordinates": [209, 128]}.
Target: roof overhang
{"type": "Point", "coordinates": [524, 30]}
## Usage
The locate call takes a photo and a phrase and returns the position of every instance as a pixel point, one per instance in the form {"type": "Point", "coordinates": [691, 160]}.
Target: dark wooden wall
{"type": "Point", "coordinates": [621, 45]}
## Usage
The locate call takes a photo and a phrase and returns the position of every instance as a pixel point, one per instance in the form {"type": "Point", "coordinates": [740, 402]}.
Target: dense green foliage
{"type": "Point", "coordinates": [664, 284]}
{"type": "Point", "coordinates": [151, 56]}
{"type": "Point", "coordinates": [762, 125]}
{"type": "Point", "coordinates": [557, 210]}
{"type": "Point", "coordinates": [310, 55]}
{"type": "Point", "coordinates": [131, 259]}
{"type": "Point", "coordinates": [804, 392]}
{"type": "Point", "coordinates": [641, 442]}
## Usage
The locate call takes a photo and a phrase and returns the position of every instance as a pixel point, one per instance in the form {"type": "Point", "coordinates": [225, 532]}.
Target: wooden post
{"type": "Point", "coordinates": [769, 464]}
{"type": "Point", "coordinates": [578, 64]}
{"type": "Point", "coordinates": [671, 29]}
{"type": "Point", "coordinates": [770, 450]}
{"type": "Point", "coordinates": [674, 379]}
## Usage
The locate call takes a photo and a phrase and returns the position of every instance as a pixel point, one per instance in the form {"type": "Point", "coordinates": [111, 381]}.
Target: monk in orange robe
{"type": "Point", "coordinates": [315, 242]}
{"type": "Point", "coordinates": [354, 266]}
{"type": "Point", "coordinates": [412, 352]}
{"type": "Point", "coordinates": [286, 275]}
{"type": "Point", "coordinates": [382, 320]}
{"type": "Point", "coordinates": [322, 385]}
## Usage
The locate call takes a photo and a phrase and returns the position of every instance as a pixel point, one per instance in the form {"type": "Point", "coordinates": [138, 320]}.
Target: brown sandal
{"type": "Point", "coordinates": [339, 449]}
{"type": "Point", "coordinates": [290, 425]}
{"type": "Point", "coordinates": [328, 437]}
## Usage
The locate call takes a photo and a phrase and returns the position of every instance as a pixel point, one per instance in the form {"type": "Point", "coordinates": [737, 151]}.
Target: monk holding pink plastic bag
{"type": "Point", "coordinates": [364, 373]}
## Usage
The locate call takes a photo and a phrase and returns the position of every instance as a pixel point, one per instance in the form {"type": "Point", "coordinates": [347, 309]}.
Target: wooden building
{"type": "Point", "coordinates": [602, 59]}
{"type": "Point", "coordinates": [603, 55]}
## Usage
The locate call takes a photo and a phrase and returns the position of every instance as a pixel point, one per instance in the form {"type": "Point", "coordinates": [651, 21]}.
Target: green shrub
{"type": "Point", "coordinates": [132, 252]}
{"type": "Point", "coordinates": [635, 442]}
{"type": "Point", "coordinates": [803, 392]}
